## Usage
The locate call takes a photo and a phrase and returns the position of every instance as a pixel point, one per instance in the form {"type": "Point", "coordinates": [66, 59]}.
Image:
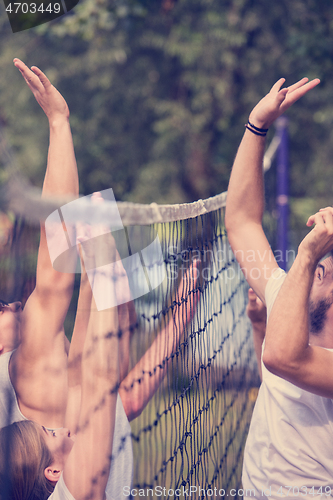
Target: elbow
{"type": "Point", "coordinates": [131, 405]}
{"type": "Point", "coordinates": [271, 360]}
{"type": "Point", "coordinates": [279, 362]}
{"type": "Point", "coordinates": [133, 413]}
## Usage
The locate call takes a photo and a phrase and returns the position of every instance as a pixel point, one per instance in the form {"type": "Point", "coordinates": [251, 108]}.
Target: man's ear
{"type": "Point", "coordinates": [52, 474]}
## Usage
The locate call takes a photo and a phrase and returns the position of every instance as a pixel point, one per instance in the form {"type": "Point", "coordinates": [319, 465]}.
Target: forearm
{"type": "Point", "coordinates": [287, 334]}
{"type": "Point", "coordinates": [100, 352]}
{"type": "Point", "coordinates": [142, 382]}
{"type": "Point", "coordinates": [137, 389]}
{"type": "Point", "coordinates": [245, 199]}
{"type": "Point", "coordinates": [61, 179]}
{"type": "Point", "coordinates": [61, 176]}
{"type": "Point", "coordinates": [79, 332]}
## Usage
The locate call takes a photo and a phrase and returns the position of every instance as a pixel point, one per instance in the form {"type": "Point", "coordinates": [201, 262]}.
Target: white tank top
{"type": "Point", "coordinates": [9, 408]}
{"type": "Point", "coordinates": [290, 440]}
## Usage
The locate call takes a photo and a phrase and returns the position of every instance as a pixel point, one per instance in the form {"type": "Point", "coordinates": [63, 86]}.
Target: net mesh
{"type": "Point", "coordinates": [191, 435]}
{"type": "Point", "coordinates": [189, 439]}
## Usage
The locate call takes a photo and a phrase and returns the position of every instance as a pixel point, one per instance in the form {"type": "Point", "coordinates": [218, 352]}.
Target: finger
{"type": "Point", "coordinates": [252, 296]}
{"type": "Point", "coordinates": [277, 86]}
{"type": "Point", "coordinates": [327, 217]}
{"type": "Point", "coordinates": [310, 221]}
{"type": "Point", "coordinates": [298, 84]}
{"type": "Point", "coordinates": [304, 84]}
{"type": "Point", "coordinates": [31, 79]}
{"type": "Point", "coordinates": [83, 232]}
{"type": "Point", "coordinates": [281, 95]}
{"type": "Point", "coordinates": [97, 197]}
{"type": "Point", "coordinates": [42, 77]}
{"type": "Point", "coordinates": [317, 219]}
{"type": "Point", "coordinates": [18, 63]}
{"type": "Point", "coordinates": [296, 94]}
{"type": "Point", "coordinates": [23, 68]}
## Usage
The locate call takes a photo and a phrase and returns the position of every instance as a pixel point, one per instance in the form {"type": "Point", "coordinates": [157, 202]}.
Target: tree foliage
{"type": "Point", "coordinates": [159, 91]}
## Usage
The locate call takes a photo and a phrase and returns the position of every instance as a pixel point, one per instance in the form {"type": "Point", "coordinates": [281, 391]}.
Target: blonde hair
{"type": "Point", "coordinates": [23, 458]}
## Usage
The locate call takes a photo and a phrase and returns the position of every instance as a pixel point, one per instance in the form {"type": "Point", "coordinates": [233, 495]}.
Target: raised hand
{"type": "Point", "coordinates": [255, 309]}
{"type": "Point", "coordinates": [47, 96]}
{"type": "Point", "coordinates": [319, 241]}
{"type": "Point", "coordinates": [278, 100]}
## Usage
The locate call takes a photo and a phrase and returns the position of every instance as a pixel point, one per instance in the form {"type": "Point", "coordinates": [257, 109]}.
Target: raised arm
{"type": "Point", "coordinates": [47, 307]}
{"type": "Point", "coordinates": [308, 285]}
{"type": "Point", "coordinates": [41, 354]}
{"type": "Point", "coordinates": [142, 382]}
{"type": "Point", "coordinates": [76, 349]}
{"type": "Point", "coordinates": [87, 467]}
{"type": "Point", "coordinates": [245, 199]}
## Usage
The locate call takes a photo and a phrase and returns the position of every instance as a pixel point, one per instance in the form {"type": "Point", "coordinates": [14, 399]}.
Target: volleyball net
{"type": "Point", "coordinates": [191, 434]}
{"type": "Point", "coordinates": [191, 320]}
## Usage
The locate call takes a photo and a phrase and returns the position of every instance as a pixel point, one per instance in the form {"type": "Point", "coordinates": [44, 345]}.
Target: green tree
{"type": "Point", "coordinates": [159, 91]}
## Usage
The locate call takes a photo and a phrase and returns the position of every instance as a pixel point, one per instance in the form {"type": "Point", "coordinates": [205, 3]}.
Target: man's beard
{"type": "Point", "coordinates": [318, 314]}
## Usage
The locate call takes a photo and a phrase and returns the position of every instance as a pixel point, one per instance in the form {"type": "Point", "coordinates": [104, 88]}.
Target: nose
{"type": "Point", "coordinates": [63, 432]}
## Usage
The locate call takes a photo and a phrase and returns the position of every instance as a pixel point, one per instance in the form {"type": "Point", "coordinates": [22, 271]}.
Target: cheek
{"type": "Point", "coordinates": [6, 325]}
{"type": "Point", "coordinates": [312, 296]}
{"type": "Point", "coordinates": [69, 445]}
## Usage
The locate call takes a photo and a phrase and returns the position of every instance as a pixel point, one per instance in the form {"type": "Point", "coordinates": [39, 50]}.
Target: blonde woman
{"type": "Point", "coordinates": [74, 462]}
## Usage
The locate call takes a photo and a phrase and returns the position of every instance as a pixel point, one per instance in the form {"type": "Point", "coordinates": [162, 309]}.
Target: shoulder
{"type": "Point", "coordinates": [273, 287]}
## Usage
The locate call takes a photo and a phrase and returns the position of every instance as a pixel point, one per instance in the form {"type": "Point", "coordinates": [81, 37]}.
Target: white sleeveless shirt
{"type": "Point", "coordinates": [290, 441]}
{"type": "Point", "coordinates": [9, 408]}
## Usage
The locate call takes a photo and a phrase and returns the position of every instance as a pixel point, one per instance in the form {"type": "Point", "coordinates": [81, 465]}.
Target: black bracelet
{"type": "Point", "coordinates": [254, 132]}
{"type": "Point", "coordinates": [257, 128]}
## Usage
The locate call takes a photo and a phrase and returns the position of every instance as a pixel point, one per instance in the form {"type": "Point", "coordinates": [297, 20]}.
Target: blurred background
{"type": "Point", "coordinates": [159, 91]}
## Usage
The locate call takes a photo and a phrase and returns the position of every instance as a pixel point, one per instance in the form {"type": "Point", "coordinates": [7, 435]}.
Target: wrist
{"type": "Point", "coordinates": [262, 132]}
{"type": "Point", "coordinates": [56, 121]}
{"type": "Point", "coordinates": [259, 329]}
{"type": "Point", "coordinates": [306, 261]}
{"type": "Point", "coordinates": [259, 123]}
